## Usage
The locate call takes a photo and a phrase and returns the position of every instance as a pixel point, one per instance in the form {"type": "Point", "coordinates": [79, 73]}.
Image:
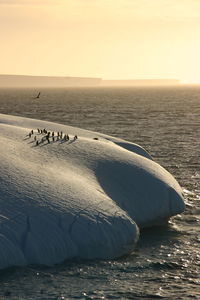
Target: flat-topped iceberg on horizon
{"type": "Point", "coordinates": [69, 193]}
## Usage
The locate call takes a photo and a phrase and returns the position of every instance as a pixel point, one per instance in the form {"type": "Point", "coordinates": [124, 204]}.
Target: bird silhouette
{"type": "Point", "coordinates": [38, 96]}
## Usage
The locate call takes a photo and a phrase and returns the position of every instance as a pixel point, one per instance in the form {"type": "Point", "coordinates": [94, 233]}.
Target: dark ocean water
{"type": "Point", "coordinates": [166, 261]}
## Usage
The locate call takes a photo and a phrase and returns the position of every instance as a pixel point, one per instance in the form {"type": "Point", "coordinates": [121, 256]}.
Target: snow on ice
{"type": "Point", "coordinates": [70, 193]}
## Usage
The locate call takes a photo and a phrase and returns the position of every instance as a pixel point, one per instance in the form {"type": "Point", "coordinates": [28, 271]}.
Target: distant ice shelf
{"type": "Point", "coordinates": [71, 193]}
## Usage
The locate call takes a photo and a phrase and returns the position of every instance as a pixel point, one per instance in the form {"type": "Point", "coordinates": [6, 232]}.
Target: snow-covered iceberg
{"type": "Point", "coordinates": [63, 197]}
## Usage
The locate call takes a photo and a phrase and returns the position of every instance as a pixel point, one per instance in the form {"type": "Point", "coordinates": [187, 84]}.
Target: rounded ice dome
{"type": "Point", "coordinates": [68, 193]}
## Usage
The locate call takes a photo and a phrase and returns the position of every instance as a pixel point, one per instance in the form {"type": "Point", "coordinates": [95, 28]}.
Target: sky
{"type": "Point", "coordinates": [111, 39]}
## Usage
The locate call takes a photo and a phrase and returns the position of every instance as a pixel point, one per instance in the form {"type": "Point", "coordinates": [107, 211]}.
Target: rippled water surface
{"type": "Point", "coordinates": [166, 261]}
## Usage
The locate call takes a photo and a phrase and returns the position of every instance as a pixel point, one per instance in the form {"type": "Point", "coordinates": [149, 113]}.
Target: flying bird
{"type": "Point", "coordinates": [38, 96]}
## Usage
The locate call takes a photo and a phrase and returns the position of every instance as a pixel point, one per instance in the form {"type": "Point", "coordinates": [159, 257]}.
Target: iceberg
{"type": "Point", "coordinates": [68, 193]}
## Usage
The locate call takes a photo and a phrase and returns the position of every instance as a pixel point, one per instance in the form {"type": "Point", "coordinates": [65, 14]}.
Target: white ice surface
{"type": "Point", "coordinates": [76, 199]}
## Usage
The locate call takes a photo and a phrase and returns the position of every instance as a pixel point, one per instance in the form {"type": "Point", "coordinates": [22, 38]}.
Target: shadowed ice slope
{"type": "Point", "coordinates": [82, 198]}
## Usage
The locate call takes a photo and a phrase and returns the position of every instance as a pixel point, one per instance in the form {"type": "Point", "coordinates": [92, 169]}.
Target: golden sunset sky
{"type": "Point", "coordinates": [112, 39]}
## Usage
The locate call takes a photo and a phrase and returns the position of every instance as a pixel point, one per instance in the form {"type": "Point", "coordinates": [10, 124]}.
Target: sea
{"type": "Point", "coordinates": [165, 263]}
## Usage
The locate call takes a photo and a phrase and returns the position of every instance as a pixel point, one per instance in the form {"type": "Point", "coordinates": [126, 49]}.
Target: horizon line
{"type": "Point", "coordinates": [174, 81]}
{"type": "Point", "coordinates": [92, 77]}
